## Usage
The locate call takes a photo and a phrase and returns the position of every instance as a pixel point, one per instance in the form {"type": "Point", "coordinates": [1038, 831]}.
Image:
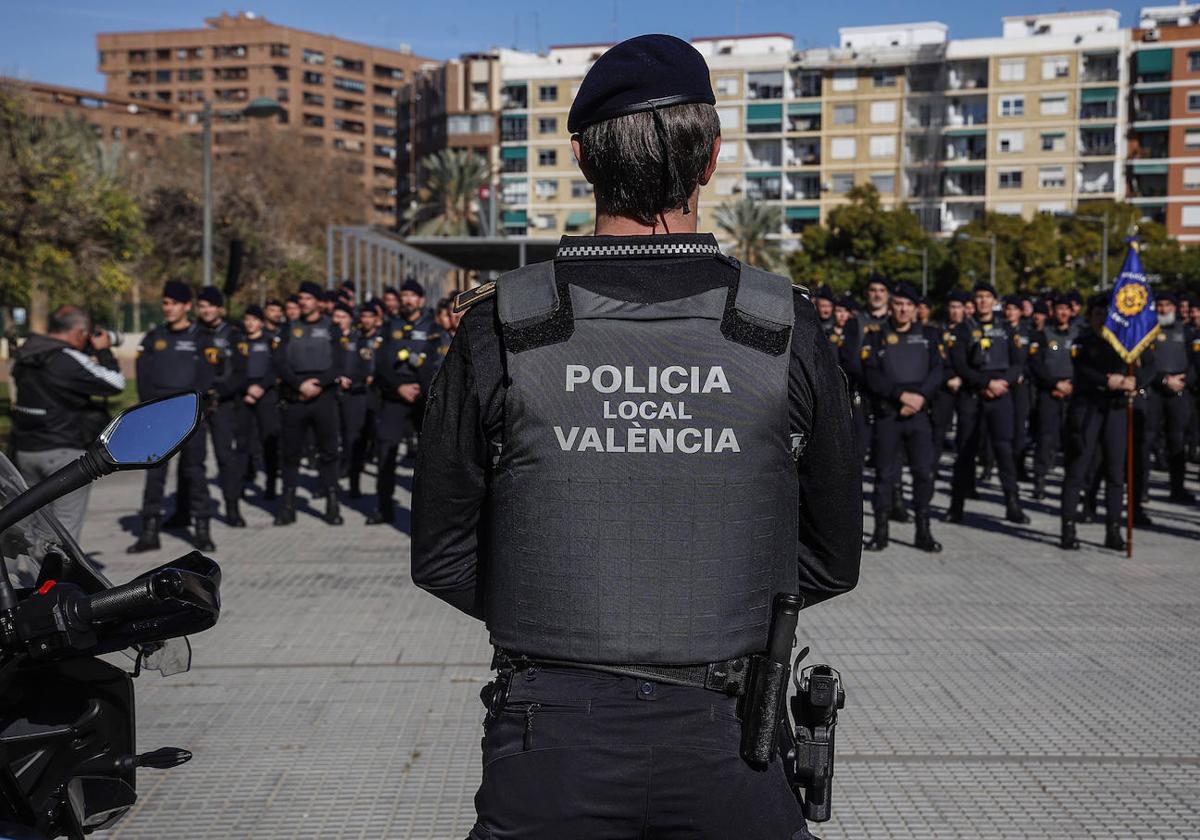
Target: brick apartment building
{"type": "Point", "coordinates": [340, 94]}
{"type": "Point", "coordinates": [114, 118]}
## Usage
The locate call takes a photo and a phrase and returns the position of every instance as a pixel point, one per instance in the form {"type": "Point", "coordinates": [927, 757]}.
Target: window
{"type": "Point", "coordinates": [1010, 141]}
{"type": "Point", "coordinates": [314, 120]}
{"type": "Point", "coordinates": [162, 77]}
{"type": "Point", "coordinates": [1055, 67]}
{"type": "Point", "coordinates": [1194, 62]}
{"type": "Point", "coordinates": [547, 93]}
{"type": "Point", "coordinates": [238, 51]}
{"type": "Point", "coordinates": [1012, 69]}
{"type": "Point", "coordinates": [547, 157]}
{"type": "Point", "coordinates": [841, 182]}
{"type": "Point", "coordinates": [1056, 142]}
{"type": "Point", "coordinates": [545, 221]}
{"type": "Point", "coordinates": [385, 72]}
{"type": "Point", "coordinates": [280, 51]}
{"type": "Point", "coordinates": [729, 117]}
{"type": "Point", "coordinates": [883, 112]}
{"type": "Point", "coordinates": [1191, 177]}
{"type": "Point", "coordinates": [581, 189]}
{"type": "Point", "coordinates": [1191, 215]}
{"type": "Point", "coordinates": [845, 80]}
{"type": "Point", "coordinates": [547, 125]}
{"type": "Point", "coordinates": [458, 124]}
{"type": "Point", "coordinates": [352, 85]}
{"type": "Point", "coordinates": [728, 153]}
{"type": "Point", "coordinates": [885, 182]}
{"type": "Point", "coordinates": [883, 145]}
{"type": "Point", "coordinates": [1052, 177]}
{"type": "Point", "coordinates": [385, 131]}
{"type": "Point", "coordinates": [883, 78]}
{"type": "Point", "coordinates": [727, 85]}
{"type": "Point", "coordinates": [1054, 105]}
{"type": "Point", "coordinates": [1191, 139]}
{"type": "Point", "coordinates": [845, 114]}
{"type": "Point", "coordinates": [842, 148]}
{"type": "Point", "coordinates": [1012, 106]}
{"type": "Point", "coordinates": [316, 99]}
{"type": "Point", "coordinates": [514, 192]}
{"type": "Point", "coordinates": [313, 57]}
{"type": "Point", "coordinates": [725, 184]}
{"type": "Point", "coordinates": [1011, 179]}
{"type": "Point", "coordinates": [311, 78]}
{"type": "Point", "coordinates": [1053, 207]}
{"type": "Point", "coordinates": [547, 188]}
{"type": "Point", "coordinates": [343, 63]}
{"type": "Point", "coordinates": [281, 73]}
{"type": "Point", "coordinates": [1193, 100]}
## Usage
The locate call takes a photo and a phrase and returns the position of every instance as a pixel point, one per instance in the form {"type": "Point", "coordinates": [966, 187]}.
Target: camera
{"type": "Point", "coordinates": [114, 338]}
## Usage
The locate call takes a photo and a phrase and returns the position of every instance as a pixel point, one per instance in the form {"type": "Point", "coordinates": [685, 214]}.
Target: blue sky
{"type": "Point", "coordinates": [54, 40]}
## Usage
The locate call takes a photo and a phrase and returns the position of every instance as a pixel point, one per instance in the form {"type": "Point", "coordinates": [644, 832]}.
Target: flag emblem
{"type": "Point", "coordinates": [1131, 300]}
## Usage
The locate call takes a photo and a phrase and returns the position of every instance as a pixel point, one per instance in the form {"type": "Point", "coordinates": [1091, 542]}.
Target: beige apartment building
{"type": "Point", "coordinates": [340, 94]}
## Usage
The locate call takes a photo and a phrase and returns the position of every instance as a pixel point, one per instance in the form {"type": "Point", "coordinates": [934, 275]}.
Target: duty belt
{"type": "Point", "coordinates": [727, 677]}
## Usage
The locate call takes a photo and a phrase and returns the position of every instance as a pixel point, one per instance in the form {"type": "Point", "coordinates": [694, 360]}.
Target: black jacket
{"type": "Point", "coordinates": [54, 406]}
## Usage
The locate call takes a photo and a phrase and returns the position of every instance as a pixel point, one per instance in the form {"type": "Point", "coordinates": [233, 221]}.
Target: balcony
{"type": "Point", "coordinates": [1098, 110]}
{"type": "Point", "coordinates": [1102, 67]}
{"type": "Point", "coordinates": [925, 78]}
{"type": "Point", "coordinates": [963, 112]}
{"type": "Point", "coordinates": [764, 186]}
{"type": "Point", "coordinates": [760, 153]}
{"type": "Point", "coordinates": [804, 116]}
{"type": "Point", "coordinates": [806, 83]}
{"type": "Point", "coordinates": [1097, 142]}
{"type": "Point", "coordinates": [514, 97]}
{"type": "Point", "coordinates": [1151, 105]}
{"type": "Point", "coordinates": [1096, 178]}
{"type": "Point", "coordinates": [1148, 145]}
{"type": "Point", "coordinates": [959, 214]}
{"type": "Point", "coordinates": [1152, 65]}
{"type": "Point", "coordinates": [960, 149]}
{"type": "Point", "coordinates": [1145, 184]}
{"type": "Point", "coordinates": [967, 75]}
{"type": "Point", "coordinates": [804, 186]}
{"type": "Point", "coordinates": [765, 85]}
{"type": "Point", "coordinates": [959, 184]}
{"type": "Point", "coordinates": [514, 129]}
{"type": "Point", "coordinates": [802, 152]}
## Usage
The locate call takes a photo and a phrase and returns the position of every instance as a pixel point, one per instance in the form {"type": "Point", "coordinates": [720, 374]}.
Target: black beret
{"type": "Point", "coordinates": [1059, 300]}
{"type": "Point", "coordinates": [389, 290]}
{"type": "Point", "coordinates": [308, 287]}
{"type": "Point", "coordinates": [376, 303]}
{"type": "Point", "coordinates": [1167, 295]}
{"type": "Point", "coordinates": [1192, 298]}
{"type": "Point", "coordinates": [330, 296]}
{"type": "Point", "coordinates": [365, 307]}
{"type": "Point", "coordinates": [1012, 300]}
{"type": "Point", "coordinates": [906, 291]}
{"type": "Point", "coordinates": [273, 302]}
{"type": "Point", "coordinates": [846, 302]}
{"type": "Point", "coordinates": [293, 298]}
{"type": "Point", "coordinates": [256, 310]}
{"type": "Point", "coordinates": [638, 75]}
{"type": "Point", "coordinates": [958, 296]}
{"type": "Point", "coordinates": [881, 280]}
{"type": "Point", "coordinates": [1074, 297]}
{"type": "Point", "coordinates": [1040, 308]}
{"type": "Point", "coordinates": [824, 292]}
{"type": "Point", "coordinates": [344, 307]}
{"type": "Point", "coordinates": [348, 284]}
{"type": "Point", "coordinates": [211, 294]}
{"type": "Point", "coordinates": [984, 286]}
{"type": "Point", "coordinates": [177, 290]}
{"type": "Point", "coordinates": [411, 285]}
{"type": "Point", "coordinates": [1097, 301]}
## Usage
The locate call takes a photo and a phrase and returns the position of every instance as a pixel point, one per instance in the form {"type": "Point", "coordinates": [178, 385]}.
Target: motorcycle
{"type": "Point", "coordinates": [68, 762]}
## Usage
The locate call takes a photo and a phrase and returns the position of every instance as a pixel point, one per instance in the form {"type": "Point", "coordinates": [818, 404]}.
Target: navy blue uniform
{"type": "Point", "coordinates": [357, 401]}
{"type": "Point", "coordinates": [1050, 362]}
{"type": "Point", "coordinates": [1170, 412]}
{"type": "Point", "coordinates": [263, 413]}
{"type": "Point", "coordinates": [308, 349]}
{"type": "Point", "coordinates": [227, 418]}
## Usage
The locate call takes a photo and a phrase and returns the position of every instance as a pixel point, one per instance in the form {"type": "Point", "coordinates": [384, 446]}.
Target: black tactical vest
{"type": "Point", "coordinates": [310, 345]}
{"type": "Point", "coordinates": [1171, 350]}
{"type": "Point", "coordinates": [904, 356]}
{"type": "Point", "coordinates": [643, 507]}
{"type": "Point", "coordinates": [258, 360]}
{"type": "Point", "coordinates": [359, 356]}
{"type": "Point", "coordinates": [172, 359]}
{"type": "Point", "coordinates": [1055, 351]}
{"type": "Point", "coordinates": [223, 338]}
{"type": "Point", "coordinates": [989, 345]}
{"type": "Point", "coordinates": [406, 346]}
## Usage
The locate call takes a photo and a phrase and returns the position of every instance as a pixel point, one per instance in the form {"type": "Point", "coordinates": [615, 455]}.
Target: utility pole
{"type": "Point", "coordinates": [206, 119]}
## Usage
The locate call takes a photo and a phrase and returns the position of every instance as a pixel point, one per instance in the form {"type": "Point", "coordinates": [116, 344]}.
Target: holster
{"type": "Point", "coordinates": [762, 708]}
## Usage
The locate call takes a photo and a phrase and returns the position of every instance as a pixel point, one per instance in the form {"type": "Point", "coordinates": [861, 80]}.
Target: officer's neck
{"type": "Point", "coordinates": [254, 336]}
{"type": "Point", "coordinates": [898, 327]}
{"type": "Point", "coordinates": [675, 221]}
{"type": "Point", "coordinates": [179, 326]}
{"type": "Point", "coordinates": [312, 317]}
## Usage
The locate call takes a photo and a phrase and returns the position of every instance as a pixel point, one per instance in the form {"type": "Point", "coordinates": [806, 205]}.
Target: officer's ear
{"type": "Point", "coordinates": [711, 166]}
{"type": "Point", "coordinates": [577, 150]}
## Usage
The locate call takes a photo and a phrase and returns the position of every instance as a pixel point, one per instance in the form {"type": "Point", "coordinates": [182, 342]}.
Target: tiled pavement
{"type": "Point", "coordinates": [1000, 689]}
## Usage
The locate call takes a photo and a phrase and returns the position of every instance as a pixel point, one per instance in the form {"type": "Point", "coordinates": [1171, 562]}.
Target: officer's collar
{"type": "Point", "coordinates": [637, 247]}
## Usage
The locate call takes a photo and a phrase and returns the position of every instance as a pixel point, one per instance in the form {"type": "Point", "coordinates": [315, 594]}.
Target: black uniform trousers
{"type": "Point", "coordinates": [1022, 399]}
{"type": "Point", "coordinates": [358, 414]}
{"type": "Point", "coordinates": [941, 416]}
{"type": "Point", "coordinates": [1051, 415]}
{"type": "Point", "coordinates": [319, 414]}
{"type": "Point", "coordinates": [1169, 416]}
{"type": "Point", "coordinates": [978, 417]}
{"type": "Point", "coordinates": [263, 421]}
{"type": "Point", "coordinates": [229, 425]}
{"type": "Point", "coordinates": [861, 415]}
{"type": "Point", "coordinates": [578, 754]}
{"type": "Point", "coordinates": [1095, 430]}
{"type": "Point", "coordinates": [398, 421]}
{"type": "Point", "coordinates": [913, 435]}
{"type": "Point", "coordinates": [193, 490]}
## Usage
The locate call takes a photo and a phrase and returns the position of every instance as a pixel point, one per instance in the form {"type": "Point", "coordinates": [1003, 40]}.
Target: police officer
{"type": "Point", "coordinates": [56, 413]}
{"type": "Point", "coordinates": [1052, 370]}
{"type": "Point", "coordinates": [227, 419]}
{"type": "Point", "coordinates": [175, 356]}
{"type": "Point", "coordinates": [610, 537]}
{"type": "Point", "coordinates": [356, 397]}
{"type": "Point", "coordinates": [306, 360]}
{"type": "Point", "coordinates": [391, 304]}
{"type": "Point", "coordinates": [823, 301]}
{"type": "Point", "coordinates": [902, 368]}
{"type": "Point", "coordinates": [291, 310]}
{"type": "Point", "coordinates": [1097, 427]}
{"type": "Point", "coordinates": [847, 338]}
{"type": "Point", "coordinates": [987, 355]}
{"type": "Point", "coordinates": [262, 395]}
{"type": "Point", "coordinates": [876, 311]}
{"type": "Point", "coordinates": [946, 398]}
{"type": "Point", "coordinates": [273, 318]}
{"type": "Point", "coordinates": [1170, 395]}
{"type": "Point", "coordinates": [1021, 395]}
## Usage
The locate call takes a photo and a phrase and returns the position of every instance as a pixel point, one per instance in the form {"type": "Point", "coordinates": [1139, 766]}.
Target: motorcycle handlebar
{"type": "Point", "coordinates": [134, 596]}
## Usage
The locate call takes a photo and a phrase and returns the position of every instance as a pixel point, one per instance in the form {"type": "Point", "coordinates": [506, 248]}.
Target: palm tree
{"type": "Point", "coordinates": [447, 201]}
{"type": "Point", "coordinates": [748, 223]}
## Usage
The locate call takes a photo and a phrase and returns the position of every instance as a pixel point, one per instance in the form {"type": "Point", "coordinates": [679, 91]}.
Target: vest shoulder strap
{"type": "Point", "coordinates": [534, 308]}
{"type": "Point", "coordinates": [761, 313]}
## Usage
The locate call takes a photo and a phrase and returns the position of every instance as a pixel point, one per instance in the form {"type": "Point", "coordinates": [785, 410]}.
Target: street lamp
{"type": "Point", "coordinates": [1103, 220]}
{"type": "Point", "coordinates": [990, 238]}
{"type": "Point", "coordinates": [924, 252]}
{"type": "Point", "coordinates": [261, 108]}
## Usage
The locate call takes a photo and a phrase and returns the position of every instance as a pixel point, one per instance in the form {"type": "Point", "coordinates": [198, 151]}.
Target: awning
{"type": "Point", "coordinates": [966, 132]}
{"type": "Point", "coordinates": [804, 109]}
{"type": "Point", "coordinates": [1153, 61]}
{"type": "Point", "coordinates": [579, 218]}
{"type": "Point", "coordinates": [763, 175]}
{"type": "Point", "coordinates": [1098, 95]}
{"type": "Point", "coordinates": [1151, 130]}
{"type": "Point", "coordinates": [965, 166]}
{"type": "Point", "coordinates": [812, 213]}
{"type": "Point", "coordinates": [1054, 134]}
{"type": "Point", "coordinates": [514, 217]}
{"type": "Point", "coordinates": [514, 153]}
{"type": "Point", "coordinates": [1149, 168]}
{"type": "Point", "coordinates": [760, 114]}
{"type": "Point", "coordinates": [1097, 128]}
{"type": "Point", "coordinates": [1149, 91]}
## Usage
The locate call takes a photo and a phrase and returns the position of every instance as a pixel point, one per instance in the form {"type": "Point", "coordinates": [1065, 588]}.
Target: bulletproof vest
{"type": "Point", "coordinates": [258, 359]}
{"type": "Point", "coordinates": [173, 358]}
{"type": "Point", "coordinates": [1055, 351]}
{"type": "Point", "coordinates": [989, 345]}
{"type": "Point", "coordinates": [359, 356]}
{"type": "Point", "coordinates": [1171, 350]}
{"type": "Point", "coordinates": [904, 356]}
{"type": "Point", "coordinates": [222, 338]}
{"type": "Point", "coordinates": [406, 344]}
{"type": "Point", "coordinates": [644, 500]}
{"type": "Point", "coordinates": [310, 345]}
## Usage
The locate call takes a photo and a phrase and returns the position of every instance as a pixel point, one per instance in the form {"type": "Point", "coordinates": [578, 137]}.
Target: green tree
{"type": "Point", "coordinates": [448, 200]}
{"type": "Point", "coordinates": [68, 229]}
{"type": "Point", "coordinates": [749, 224]}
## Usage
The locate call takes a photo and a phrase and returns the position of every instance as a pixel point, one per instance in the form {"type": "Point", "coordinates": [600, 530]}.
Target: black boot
{"type": "Point", "coordinates": [385, 514]}
{"type": "Point", "coordinates": [203, 539]}
{"type": "Point", "coordinates": [233, 514]}
{"type": "Point", "coordinates": [1068, 541]}
{"type": "Point", "coordinates": [955, 513]}
{"type": "Point", "coordinates": [177, 521]}
{"type": "Point", "coordinates": [269, 495]}
{"type": "Point", "coordinates": [1039, 488]}
{"type": "Point", "coordinates": [1141, 518]}
{"type": "Point", "coordinates": [879, 540]}
{"type": "Point", "coordinates": [355, 488]}
{"type": "Point", "coordinates": [333, 514]}
{"type": "Point", "coordinates": [924, 538]}
{"type": "Point", "coordinates": [1112, 536]}
{"type": "Point", "coordinates": [1012, 510]}
{"type": "Point", "coordinates": [898, 512]}
{"type": "Point", "coordinates": [286, 515]}
{"type": "Point", "coordinates": [148, 539]}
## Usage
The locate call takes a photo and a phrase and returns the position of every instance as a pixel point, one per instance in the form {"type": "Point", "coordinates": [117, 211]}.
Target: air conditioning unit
{"type": "Point", "coordinates": [1150, 35]}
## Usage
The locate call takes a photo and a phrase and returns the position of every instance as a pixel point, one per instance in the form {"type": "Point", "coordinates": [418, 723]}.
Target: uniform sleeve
{"type": "Point", "coordinates": [935, 374]}
{"type": "Point", "coordinates": [830, 472]}
{"type": "Point", "coordinates": [234, 380]}
{"type": "Point", "coordinates": [960, 360]}
{"type": "Point", "coordinates": [1089, 377]}
{"type": "Point", "coordinates": [282, 367]}
{"type": "Point", "coordinates": [387, 376]}
{"type": "Point", "coordinates": [450, 483]}
{"type": "Point", "coordinates": [876, 381]}
{"type": "Point", "coordinates": [1038, 345]}
{"type": "Point", "coordinates": [206, 371]}
{"type": "Point", "coordinates": [1017, 357]}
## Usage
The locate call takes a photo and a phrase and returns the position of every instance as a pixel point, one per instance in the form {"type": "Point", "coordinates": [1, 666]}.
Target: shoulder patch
{"type": "Point", "coordinates": [871, 328]}
{"type": "Point", "coordinates": [802, 290]}
{"type": "Point", "coordinates": [472, 296]}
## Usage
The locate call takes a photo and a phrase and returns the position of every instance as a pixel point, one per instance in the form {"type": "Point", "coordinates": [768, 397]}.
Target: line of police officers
{"type": "Point", "coordinates": [314, 375]}
{"type": "Point", "coordinates": [1027, 380]}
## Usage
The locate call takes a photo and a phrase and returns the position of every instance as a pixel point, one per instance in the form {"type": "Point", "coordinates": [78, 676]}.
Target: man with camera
{"type": "Point", "coordinates": [55, 413]}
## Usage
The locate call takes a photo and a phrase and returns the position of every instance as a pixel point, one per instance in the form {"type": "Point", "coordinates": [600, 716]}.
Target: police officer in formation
{"type": "Point", "coordinates": [1172, 393]}
{"type": "Point", "coordinates": [357, 347]}
{"type": "Point", "coordinates": [1052, 371]}
{"type": "Point", "coordinates": [225, 409]}
{"type": "Point", "coordinates": [262, 396]}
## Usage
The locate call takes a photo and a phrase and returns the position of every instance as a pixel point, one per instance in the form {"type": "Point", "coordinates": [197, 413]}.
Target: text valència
{"type": "Point", "coordinates": [672, 381]}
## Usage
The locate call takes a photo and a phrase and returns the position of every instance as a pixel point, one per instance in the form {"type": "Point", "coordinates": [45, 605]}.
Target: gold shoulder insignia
{"type": "Point", "coordinates": [871, 328]}
{"type": "Point", "coordinates": [472, 296]}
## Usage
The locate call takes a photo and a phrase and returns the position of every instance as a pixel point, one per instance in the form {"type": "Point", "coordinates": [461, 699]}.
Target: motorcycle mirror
{"type": "Point", "coordinates": [148, 434]}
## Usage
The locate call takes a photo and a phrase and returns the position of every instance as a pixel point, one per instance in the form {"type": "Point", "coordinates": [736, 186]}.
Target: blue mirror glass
{"type": "Point", "coordinates": [146, 435]}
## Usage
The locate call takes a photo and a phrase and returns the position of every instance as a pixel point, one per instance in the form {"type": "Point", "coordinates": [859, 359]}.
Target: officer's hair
{"type": "Point", "coordinates": [624, 160]}
{"type": "Point", "coordinates": [67, 318]}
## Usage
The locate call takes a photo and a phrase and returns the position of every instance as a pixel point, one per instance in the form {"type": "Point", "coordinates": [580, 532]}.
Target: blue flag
{"type": "Point", "coordinates": [1132, 321]}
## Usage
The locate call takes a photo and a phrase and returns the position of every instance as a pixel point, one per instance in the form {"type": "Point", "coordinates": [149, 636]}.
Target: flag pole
{"type": "Point", "coordinates": [1129, 470]}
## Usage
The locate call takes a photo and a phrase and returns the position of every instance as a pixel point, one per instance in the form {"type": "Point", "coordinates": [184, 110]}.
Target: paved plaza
{"type": "Point", "coordinates": [1000, 689]}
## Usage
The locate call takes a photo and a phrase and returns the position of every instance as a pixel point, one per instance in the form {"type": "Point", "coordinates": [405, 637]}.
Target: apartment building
{"type": "Point", "coordinates": [115, 119]}
{"type": "Point", "coordinates": [340, 94]}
